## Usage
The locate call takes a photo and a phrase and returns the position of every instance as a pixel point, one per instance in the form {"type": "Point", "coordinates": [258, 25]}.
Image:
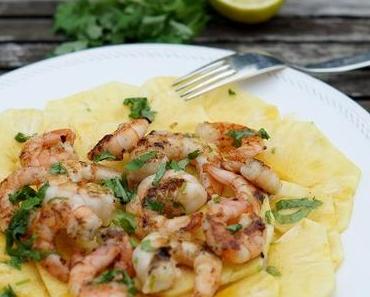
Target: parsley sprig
{"type": "Point", "coordinates": [95, 23]}
{"type": "Point", "coordinates": [298, 209]}
{"type": "Point", "coordinates": [119, 188]}
{"type": "Point", "coordinates": [140, 108]}
{"type": "Point", "coordinates": [117, 275]}
{"type": "Point", "coordinates": [238, 135]}
{"type": "Point", "coordinates": [18, 245]}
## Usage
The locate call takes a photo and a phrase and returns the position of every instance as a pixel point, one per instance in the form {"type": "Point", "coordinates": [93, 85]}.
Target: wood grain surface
{"type": "Point", "coordinates": [303, 32]}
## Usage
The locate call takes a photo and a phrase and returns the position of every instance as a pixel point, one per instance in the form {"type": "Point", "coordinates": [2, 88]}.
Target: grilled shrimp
{"type": "Point", "coordinates": [48, 148]}
{"type": "Point", "coordinates": [257, 173]}
{"type": "Point", "coordinates": [241, 187]}
{"type": "Point", "coordinates": [15, 181]}
{"type": "Point", "coordinates": [167, 145]}
{"type": "Point", "coordinates": [78, 211]}
{"type": "Point", "coordinates": [233, 231]}
{"type": "Point", "coordinates": [78, 171]}
{"type": "Point", "coordinates": [173, 146]}
{"type": "Point", "coordinates": [116, 253]}
{"type": "Point", "coordinates": [156, 268]}
{"type": "Point", "coordinates": [124, 139]}
{"type": "Point", "coordinates": [177, 193]}
{"type": "Point", "coordinates": [217, 133]}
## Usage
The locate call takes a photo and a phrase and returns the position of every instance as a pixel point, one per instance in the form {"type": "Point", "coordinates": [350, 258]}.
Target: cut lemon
{"type": "Point", "coordinates": [248, 11]}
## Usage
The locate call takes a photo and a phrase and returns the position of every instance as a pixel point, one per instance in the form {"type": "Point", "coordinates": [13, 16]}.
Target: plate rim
{"type": "Point", "coordinates": [349, 108]}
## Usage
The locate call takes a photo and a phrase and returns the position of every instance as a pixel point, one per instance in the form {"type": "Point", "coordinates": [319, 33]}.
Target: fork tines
{"type": "Point", "coordinates": [204, 78]}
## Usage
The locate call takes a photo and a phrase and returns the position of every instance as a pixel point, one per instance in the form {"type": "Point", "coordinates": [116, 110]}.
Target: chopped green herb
{"type": "Point", "coordinates": [154, 205]}
{"type": "Point", "coordinates": [234, 228]}
{"type": "Point", "coordinates": [178, 165]}
{"type": "Point", "coordinates": [273, 271]}
{"type": "Point", "coordinates": [7, 292]}
{"type": "Point", "coordinates": [293, 217]}
{"type": "Point", "coordinates": [238, 135]}
{"type": "Point", "coordinates": [57, 168]}
{"type": "Point", "coordinates": [134, 243]}
{"type": "Point", "coordinates": [105, 156]}
{"type": "Point", "coordinates": [140, 108]}
{"type": "Point", "coordinates": [23, 194]}
{"type": "Point", "coordinates": [20, 137]}
{"type": "Point", "coordinates": [216, 199]}
{"type": "Point", "coordinates": [18, 247]}
{"type": "Point", "coordinates": [231, 92]}
{"type": "Point", "coordinates": [194, 155]}
{"type": "Point", "coordinates": [117, 275]}
{"type": "Point", "coordinates": [95, 23]}
{"type": "Point", "coordinates": [159, 174]}
{"type": "Point", "coordinates": [146, 246]}
{"type": "Point", "coordinates": [119, 189]}
{"type": "Point", "coordinates": [125, 220]}
{"type": "Point", "coordinates": [107, 276]}
{"type": "Point", "coordinates": [263, 134]}
{"type": "Point", "coordinates": [297, 203]}
{"type": "Point", "coordinates": [140, 161]}
{"type": "Point", "coordinates": [268, 217]}
{"type": "Point", "coordinates": [304, 207]}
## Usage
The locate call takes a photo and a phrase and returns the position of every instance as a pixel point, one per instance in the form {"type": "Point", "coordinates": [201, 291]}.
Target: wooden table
{"type": "Point", "coordinates": [304, 31]}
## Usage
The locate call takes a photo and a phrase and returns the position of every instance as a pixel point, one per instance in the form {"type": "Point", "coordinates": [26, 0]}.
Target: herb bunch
{"type": "Point", "coordinates": [91, 23]}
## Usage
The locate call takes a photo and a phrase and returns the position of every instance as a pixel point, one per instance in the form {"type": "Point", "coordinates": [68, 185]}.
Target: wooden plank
{"type": "Point", "coordinates": [27, 30]}
{"type": "Point", "coordinates": [365, 103]}
{"type": "Point", "coordinates": [290, 30]}
{"type": "Point", "coordinates": [282, 30]}
{"type": "Point", "coordinates": [347, 8]}
{"type": "Point", "coordinates": [27, 7]}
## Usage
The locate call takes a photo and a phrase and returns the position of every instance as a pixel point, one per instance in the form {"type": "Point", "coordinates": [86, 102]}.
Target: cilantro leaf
{"type": "Point", "coordinates": [140, 108]}
{"type": "Point", "coordinates": [154, 205]}
{"type": "Point", "coordinates": [57, 168]}
{"type": "Point", "coordinates": [231, 92]}
{"type": "Point", "coordinates": [94, 23]}
{"type": "Point", "coordinates": [8, 292]}
{"type": "Point", "coordinates": [140, 161]}
{"type": "Point", "coordinates": [302, 207]}
{"type": "Point", "coordinates": [159, 174]}
{"type": "Point", "coordinates": [238, 135]}
{"type": "Point", "coordinates": [125, 220]}
{"type": "Point", "coordinates": [234, 228]}
{"type": "Point", "coordinates": [105, 156]}
{"type": "Point", "coordinates": [273, 271]}
{"type": "Point", "coordinates": [22, 194]}
{"type": "Point", "coordinates": [18, 246]}
{"type": "Point", "coordinates": [20, 137]}
{"type": "Point", "coordinates": [194, 155]}
{"type": "Point", "coordinates": [119, 188]}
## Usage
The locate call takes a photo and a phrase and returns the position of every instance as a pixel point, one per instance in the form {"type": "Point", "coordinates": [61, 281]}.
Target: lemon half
{"type": "Point", "coordinates": [248, 11]}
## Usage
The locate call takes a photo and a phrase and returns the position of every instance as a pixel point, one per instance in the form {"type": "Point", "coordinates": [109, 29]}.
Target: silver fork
{"type": "Point", "coordinates": [239, 66]}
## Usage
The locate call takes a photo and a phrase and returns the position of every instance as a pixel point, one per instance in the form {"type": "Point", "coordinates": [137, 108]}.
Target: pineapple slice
{"type": "Point", "coordinates": [25, 282]}
{"type": "Point", "coordinates": [102, 104]}
{"type": "Point", "coordinates": [336, 248]}
{"type": "Point", "coordinates": [230, 273]}
{"type": "Point", "coordinates": [173, 113]}
{"type": "Point", "coordinates": [301, 154]}
{"type": "Point", "coordinates": [303, 257]}
{"type": "Point", "coordinates": [260, 284]}
{"type": "Point", "coordinates": [27, 121]}
{"type": "Point", "coordinates": [55, 287]}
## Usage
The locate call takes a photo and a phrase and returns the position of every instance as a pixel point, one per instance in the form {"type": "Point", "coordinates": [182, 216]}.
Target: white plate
{"type": "Point", "coordinates": [342, 120]}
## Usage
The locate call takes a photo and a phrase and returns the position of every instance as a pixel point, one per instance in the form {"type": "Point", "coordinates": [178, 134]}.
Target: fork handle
{"type": "Point", "coordinates": [339, 65]}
